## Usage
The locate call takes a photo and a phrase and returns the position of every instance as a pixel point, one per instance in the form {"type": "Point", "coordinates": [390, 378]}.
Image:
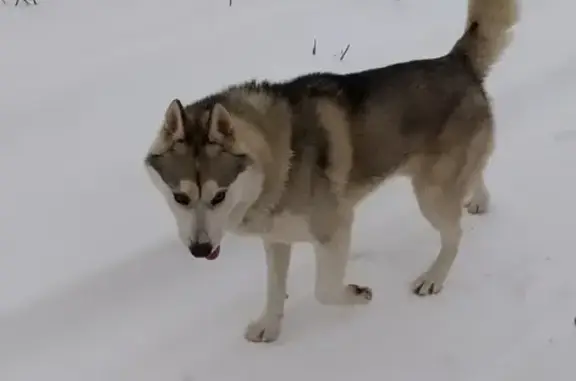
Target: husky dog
{"type": "Point", "coordinates": [289, 161]}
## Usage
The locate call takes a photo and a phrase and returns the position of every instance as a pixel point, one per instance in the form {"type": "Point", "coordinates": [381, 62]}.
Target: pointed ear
{"type": "Point", "coordinates": [221, 124]}
{"type": "Point", "coordinates": [174, 119]}
{"type": "Point", "coordinates": [172, 128]}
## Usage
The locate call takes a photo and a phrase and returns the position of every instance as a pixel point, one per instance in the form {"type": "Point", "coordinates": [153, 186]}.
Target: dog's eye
{"type": "Point", "coordinates": [182, 199]}
{"type": "Point", "coordinates": [218, 198]}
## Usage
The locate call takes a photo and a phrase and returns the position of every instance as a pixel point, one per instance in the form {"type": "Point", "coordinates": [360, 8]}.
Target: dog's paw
{"type": "Point", "coordinates": [479, 203]}
{"type": "Point", "coordinates": [476, 207]}
{"type": "Point", "coordinates": [351, 294]}
{"type": "Point", "coordinates": [428, 284]}
{"type": "Point", "coordinates": [359, 294]}
{"type": "Point", "coordinates": [263, 330]}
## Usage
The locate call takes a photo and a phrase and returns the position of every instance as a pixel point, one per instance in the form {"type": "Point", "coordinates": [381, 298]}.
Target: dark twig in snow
{"type": "Point", "coordinates": [343, 54]}
{"type": "Point", "coordinates": [26, 1]}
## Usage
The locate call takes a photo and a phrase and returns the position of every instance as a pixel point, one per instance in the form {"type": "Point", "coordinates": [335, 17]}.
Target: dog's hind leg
{"type": "Point", "coordinates": [267, 327]}
{"type": "Point", "coordinates": [479, 201]}
{"type": "Point", "coordinates": [442, 207]}
{"type": "Point", "coordinates": [479, 152]}
{"type": "Point", "coordinates": [331, 262]}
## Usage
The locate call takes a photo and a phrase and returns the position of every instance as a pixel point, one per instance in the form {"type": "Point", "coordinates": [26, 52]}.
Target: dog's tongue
{"type": "Point", "coordinates": [214, 254]}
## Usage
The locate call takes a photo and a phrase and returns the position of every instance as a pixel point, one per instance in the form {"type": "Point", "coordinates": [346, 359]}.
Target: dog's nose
{"type": "Point", "coordinates": [200, 250]}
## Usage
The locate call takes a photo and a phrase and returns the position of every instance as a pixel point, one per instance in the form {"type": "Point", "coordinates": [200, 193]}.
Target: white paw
{"type": "Point", "coordinates": [477, 207]}
{"type": "Point", "coordinates": [263, 330]}
{"type": "Point", "coordinates": [360, 294]}
{"type": "Point", "coordinates": [428, 283]}
{"type": "Point", "coordinates": [349, 295]}
{"type": "Point", "coordinates": [478, 204]}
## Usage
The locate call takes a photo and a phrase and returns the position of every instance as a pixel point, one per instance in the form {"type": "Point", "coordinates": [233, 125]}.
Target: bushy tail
{"type": "Point", "coordinates": [488, 32]}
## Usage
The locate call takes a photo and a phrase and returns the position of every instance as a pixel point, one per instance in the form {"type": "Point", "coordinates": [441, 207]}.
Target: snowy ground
{"type": "Point", "coordinates": [95, 286]}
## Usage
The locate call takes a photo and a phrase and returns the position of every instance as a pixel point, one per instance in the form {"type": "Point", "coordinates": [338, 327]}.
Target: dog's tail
{"type": "Point", "coordinates": [488, 32]}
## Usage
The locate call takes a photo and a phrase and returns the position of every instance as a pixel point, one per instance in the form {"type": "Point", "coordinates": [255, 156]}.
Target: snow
{"type": "Point", "coordinates": [94, 284]}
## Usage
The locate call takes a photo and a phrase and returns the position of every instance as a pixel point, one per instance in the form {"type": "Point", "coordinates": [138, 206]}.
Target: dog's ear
{"type": "Point", "coordinates": [174, 120]}
{"type": "Point", "coordinates": [172, 129]}
{"type": "Point", "coordinates": [221, 128]}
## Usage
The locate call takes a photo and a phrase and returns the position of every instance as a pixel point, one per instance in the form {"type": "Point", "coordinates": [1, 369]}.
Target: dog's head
{"type": "Point", "coordinates": [205, 173]}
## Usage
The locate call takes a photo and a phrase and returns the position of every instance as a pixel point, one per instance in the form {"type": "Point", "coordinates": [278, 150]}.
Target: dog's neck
{"type": "Point", "coordinates": [270, 152]}
{"type": "Point", "coordinates": [247, 189]}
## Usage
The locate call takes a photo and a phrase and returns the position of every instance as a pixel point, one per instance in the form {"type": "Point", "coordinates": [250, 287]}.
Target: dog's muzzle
{"type": "Point", "coordinates": [204, 250]}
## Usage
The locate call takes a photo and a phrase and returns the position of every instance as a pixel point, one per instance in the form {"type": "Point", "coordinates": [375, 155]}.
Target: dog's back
{"type": "Point", "coordinates": [410, 110]}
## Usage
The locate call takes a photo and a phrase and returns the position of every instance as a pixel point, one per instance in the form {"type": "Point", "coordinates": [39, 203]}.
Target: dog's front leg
{"type": "Point", "coordinates": [267, 327]}
{"type": "Point", "coordinates": [331, 262]}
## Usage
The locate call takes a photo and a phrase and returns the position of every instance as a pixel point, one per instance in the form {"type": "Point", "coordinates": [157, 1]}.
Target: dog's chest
{"type": "Point", "coordinates": [282, 227]}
